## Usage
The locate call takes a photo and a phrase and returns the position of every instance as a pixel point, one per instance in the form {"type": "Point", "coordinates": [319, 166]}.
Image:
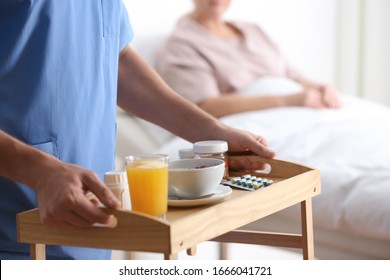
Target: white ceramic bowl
{"type": "Point", "coordinates": [192, 178]}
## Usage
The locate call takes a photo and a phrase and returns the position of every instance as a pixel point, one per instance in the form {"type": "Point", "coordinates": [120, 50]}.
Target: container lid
{"type": "Point", "coordinates": [115, 178]}
{"type": "Point", "coordinates": [186, 153]}
{"type": "Point", "coordinates": [212, 146]}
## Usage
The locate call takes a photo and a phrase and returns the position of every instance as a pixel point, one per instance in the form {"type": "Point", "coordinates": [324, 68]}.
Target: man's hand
{"type": "Point", "coordinates": [244, 142]}
{"type": "Point", "coordinates": [62, 201]}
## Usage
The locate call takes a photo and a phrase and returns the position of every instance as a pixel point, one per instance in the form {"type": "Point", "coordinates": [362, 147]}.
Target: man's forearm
{"type": "Point", "coordinates": [142, 92]}
{"type": "Point", "coordinates": [21, 162]}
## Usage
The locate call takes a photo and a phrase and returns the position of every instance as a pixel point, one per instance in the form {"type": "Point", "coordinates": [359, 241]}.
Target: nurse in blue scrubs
{"type": "Point", "coordinates": [64, 66]}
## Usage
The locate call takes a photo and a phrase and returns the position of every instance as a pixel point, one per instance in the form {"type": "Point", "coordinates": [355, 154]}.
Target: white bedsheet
{"type": "Point", "coordinates": [351, 148]}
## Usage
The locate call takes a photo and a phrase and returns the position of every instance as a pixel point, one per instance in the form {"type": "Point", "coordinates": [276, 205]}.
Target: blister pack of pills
{"type": "Point", "coordinates": [247, 182]}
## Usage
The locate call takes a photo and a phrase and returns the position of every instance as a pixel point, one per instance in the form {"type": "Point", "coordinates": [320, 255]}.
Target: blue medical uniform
{"type": "Point", "coordinates": [58, 85]}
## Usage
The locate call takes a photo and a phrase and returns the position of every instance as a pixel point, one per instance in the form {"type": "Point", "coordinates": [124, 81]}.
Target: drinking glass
{"type": "Point", "coordinates": [148, 182]}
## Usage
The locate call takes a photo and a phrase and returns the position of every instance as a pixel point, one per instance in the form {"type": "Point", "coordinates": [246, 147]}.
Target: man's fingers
{"type": "Point", "coordinates": [262, 150]}
{"type": "Point", "coordinates": [93, 183]}
{"type": "Point", "coordinates": [247, 162]}
{"type": "Point", "coordinates": [88, 211]}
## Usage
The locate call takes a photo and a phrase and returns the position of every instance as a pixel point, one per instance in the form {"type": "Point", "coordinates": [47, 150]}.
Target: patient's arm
{"type": "Point", "coordinates": [232, 103]}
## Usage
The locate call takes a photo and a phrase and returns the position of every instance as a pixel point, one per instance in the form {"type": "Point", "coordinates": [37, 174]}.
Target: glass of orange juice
{"type": "Point", "coordinates": [148, 182]}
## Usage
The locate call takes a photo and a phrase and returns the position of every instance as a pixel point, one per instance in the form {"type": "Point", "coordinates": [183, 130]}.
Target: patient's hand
{"type": "Point", "coordinates": [323, 96]}
{"type": "Point", "coordinates": [330, 96]}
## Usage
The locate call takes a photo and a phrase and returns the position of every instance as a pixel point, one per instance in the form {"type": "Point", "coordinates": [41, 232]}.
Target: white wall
{"type": "Point", "coordinates": [304, 29]}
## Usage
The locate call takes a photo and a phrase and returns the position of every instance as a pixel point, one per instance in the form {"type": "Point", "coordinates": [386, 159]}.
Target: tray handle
{"type": "Point", "coordinates": [271, 167]}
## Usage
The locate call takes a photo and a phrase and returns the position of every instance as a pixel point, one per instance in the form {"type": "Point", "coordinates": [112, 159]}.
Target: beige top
{"type": "Point", "coordinates": [199, 65]}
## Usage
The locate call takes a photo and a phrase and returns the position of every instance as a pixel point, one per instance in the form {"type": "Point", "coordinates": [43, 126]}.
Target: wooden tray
{"type": "Point", "coordinates": [184, 228]}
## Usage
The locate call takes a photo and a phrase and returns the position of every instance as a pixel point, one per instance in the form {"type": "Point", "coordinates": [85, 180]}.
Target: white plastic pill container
{"type": "Point", "coordinates": [116, 181]}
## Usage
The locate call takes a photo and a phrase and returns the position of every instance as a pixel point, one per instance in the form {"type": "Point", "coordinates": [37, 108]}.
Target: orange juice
{"type": "Point", "coordinates": [148, 182]}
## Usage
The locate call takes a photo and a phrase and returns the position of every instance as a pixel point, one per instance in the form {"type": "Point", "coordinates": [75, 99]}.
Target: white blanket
{"type": "Point", "coordinates": [351, 148]}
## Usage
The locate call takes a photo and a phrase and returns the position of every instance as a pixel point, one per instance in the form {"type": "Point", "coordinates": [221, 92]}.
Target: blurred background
{"type": "Point", "coordinates": [343, 42]}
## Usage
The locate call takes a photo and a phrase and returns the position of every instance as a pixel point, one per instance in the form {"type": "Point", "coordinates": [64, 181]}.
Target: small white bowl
{"type": "Point", "coordinates": [192, 178]}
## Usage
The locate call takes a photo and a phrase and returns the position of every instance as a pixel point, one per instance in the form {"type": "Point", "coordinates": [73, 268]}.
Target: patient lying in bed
{"type": "Point", "coordinates": [263, 94]}
{"type": "Point", "coordinates": [210, 61]}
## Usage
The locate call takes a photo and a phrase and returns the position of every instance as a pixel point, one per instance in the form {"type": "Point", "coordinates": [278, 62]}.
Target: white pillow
{"type": "Point", "coordinates": [271, 85]}
{"type": "Point", "coordinates": [159, 134]}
